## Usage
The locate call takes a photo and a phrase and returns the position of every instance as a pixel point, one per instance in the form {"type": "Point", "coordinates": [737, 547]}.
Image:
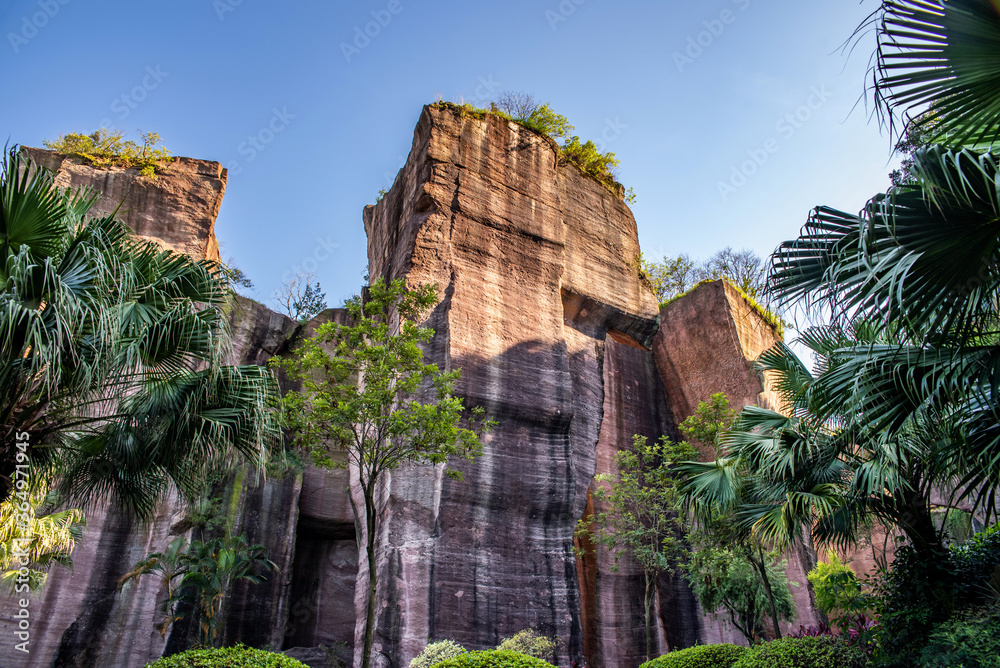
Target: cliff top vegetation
{"type": "Point", "coordinates": [108, 148]}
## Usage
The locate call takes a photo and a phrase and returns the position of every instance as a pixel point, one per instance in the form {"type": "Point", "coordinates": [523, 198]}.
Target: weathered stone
{"type": "Point", "coordinates": [707, 343]}
{"type": "Point", "coordinates": [532, 260]}
{"type": "Point", "coordinates": [177, 209]}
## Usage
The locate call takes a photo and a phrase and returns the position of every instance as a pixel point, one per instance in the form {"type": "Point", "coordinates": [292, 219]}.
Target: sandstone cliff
{"type": "Point", "coordinates": [176, 209]}
{"type": "Point", "coordinates": [557, 339]}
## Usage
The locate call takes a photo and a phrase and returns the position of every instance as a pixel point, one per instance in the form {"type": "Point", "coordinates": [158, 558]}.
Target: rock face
{"type": "Point", "coordinates": [176, 209]}
{"type": "Point", "coordinates": [707, 343]}
{"type": "Point", "coordinates": [542, 310]}
{"type": "Point", "coordinates": [557, 339]}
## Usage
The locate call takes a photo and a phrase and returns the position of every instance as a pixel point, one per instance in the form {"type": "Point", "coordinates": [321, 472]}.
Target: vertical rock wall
{"type": "Point", "coordinates": [558, 340]}
{"type": "Point", "coordinates": [707, 343]}
{"type": "Point", "coordinates": [532, 261]}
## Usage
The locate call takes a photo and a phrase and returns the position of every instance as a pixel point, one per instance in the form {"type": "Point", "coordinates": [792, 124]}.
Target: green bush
{"type": "Point", "coordinates": [530, 642]}
{"type": "Point", "coordinates": [590, 160]}
{"type": "Point", "coordinates": [106, 148]}
{"type": "Point", "coordinates": [436, 652]}
{"type": "Point", "coordinates": [237, 656]}
{"type": "Point", "coordinates": [969, 640]}
{"type": "Point", "coordinates": [809, 652]}
{"type": "Point", "coordinates": [494, 658]}
{"type": "Point", "coordinates": [701, 656]}
{"type": "Point", "coordinates": [918, 595]}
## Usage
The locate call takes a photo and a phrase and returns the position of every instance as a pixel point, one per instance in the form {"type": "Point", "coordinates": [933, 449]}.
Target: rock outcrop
{"type": "Point", "coordinates": [177, 209]}
{"type": "Point", "coordinates": [557, 338]}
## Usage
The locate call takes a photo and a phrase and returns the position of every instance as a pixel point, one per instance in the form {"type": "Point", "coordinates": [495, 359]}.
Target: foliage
{"type": "Point", "coordinates": [675, 276]}
{"type": "Point", "coordinates": [642, 517]}
{"type": "Point", "coordinates": [969, 639]}
{"type": "Point", "coordinates": [586, 156]}
{"type": "Point", "coordinates": [205, 574]}
{"type": "Point", "coordinates": [301, 298]}
{"type": "Point", "coordinates": [671, 277]}
{"type": "Point", "coordinates": [402, 410]}
{"type": "Point", "coordinates": [524, 109]}
{"type": "Point", "coordinates": [112, 354]}
{"type": "Point", "coordinates": [530, 642]}
{"type": "Point", "coordinates": [809, 652]}
{"type": "Point", "coordinates": [435, 653]}
{"type": "Point", "coordinates": [699, 656]}
{"type": "Point", "coordinates": [838, 591]}
{"type": "Point", "coordinates": [234, 277]}
{"type": "Point", "coordinates": [237, 656]}
{"type": "Point", "coordinates": [494, 658]}
{"type": "Point", "coordinates": [736, 557]}
{"type": "Point", "coordinates": [725, 579]}
{"type": "Point", "coordinates": [942, 56]}
{"type": "Point", "coordinates": [917, 595]}
{"type": "Point", "coordinates": [109, 148]}
{"type": "Point", "coordinates": [47, 537]}
{"type": "Point", "coordinates": [920, 263]}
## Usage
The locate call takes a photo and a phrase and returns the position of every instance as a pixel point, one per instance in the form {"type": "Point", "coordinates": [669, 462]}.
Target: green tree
{"type": "Point", "coordinates": [105, 148]}
{"type": "Point", "coordinates": [523, 108]}
{"type": "Point", "coordinates": [206, 574]}
{"type": "Point", "coordinates": [366, 391]}
{"type": "Point", "coordinates": [720, 493]}
{"type": "Point", "coordinates": [643, 513]}
{"type": "Point", "coordinates": [33, 535]}
{"type": "Point", "coordinates": [112, 354]}
{"type": "Point", "coordinates": [671, 276]}
{"type": "Point", "coordinates": [724, 578]}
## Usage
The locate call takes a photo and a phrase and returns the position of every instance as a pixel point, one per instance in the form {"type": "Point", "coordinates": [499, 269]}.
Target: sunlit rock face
{"type": "Point", "coordinates": [177, 209]}
{"type": "Point", "coordinates": [558, 339]}
{"type": "Point", "coordinates": [542, 310]}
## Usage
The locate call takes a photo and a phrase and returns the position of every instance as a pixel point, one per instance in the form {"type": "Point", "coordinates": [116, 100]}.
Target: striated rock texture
{"type": "Point", "coordinates": [176, 209]}
{"type": "Point", "coordinates": [532, 259]}
{"type": "Point", "coordinates": [556, 337]}
{"type": "Point", "coordinates": [707, 343]}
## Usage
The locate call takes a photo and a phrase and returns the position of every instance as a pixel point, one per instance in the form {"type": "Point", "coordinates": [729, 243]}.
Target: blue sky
{"type": "Point", "coordinates": [731, 118]}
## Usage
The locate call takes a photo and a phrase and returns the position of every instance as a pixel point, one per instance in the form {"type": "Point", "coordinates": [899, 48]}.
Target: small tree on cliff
{"type": "Point", "coordinates": [366, 391]}
{"type": "Point", "coordinates": [643, 516]}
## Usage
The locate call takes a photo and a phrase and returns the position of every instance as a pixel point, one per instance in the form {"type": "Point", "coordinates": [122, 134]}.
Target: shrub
{"type": "Point", "coordinates": [809, 652]}
{"type": "Point", "coordinates": [237, 656]}
{"type": "Point", "coordinates": [436, 652]}
{"type": "Point", "coordinates": [530, 642]}
{"type": "Point", "coordinates": [970, 639]}
{"type": "Point", "coordinates": [917, 595]}
{"type": "Point", "coordinates": [106, 148]}
{"type": "Point", "coordinates": [701, 656]}
{"type": "Point", "coordinates": [590, 160]}
{"type": "Point", "coordinates": [839, 593]}
{"type": "Point", "coordinates": [494, 658]}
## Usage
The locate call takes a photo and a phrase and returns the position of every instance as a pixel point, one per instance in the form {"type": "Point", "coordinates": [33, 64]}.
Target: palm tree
{"type": "Point", "coordinates": [112, 354]}
{"type": "Point", "coordinates": [921, 262]}
{"type": "Point", "coordinates": [785, 476]}
{"type": "Point", "coordinates": [207, 571]}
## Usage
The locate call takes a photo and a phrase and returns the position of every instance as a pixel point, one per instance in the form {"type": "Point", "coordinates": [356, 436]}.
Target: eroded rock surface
{"type": "Point", "coordinates": [176, 209]}
{"type": "Point", "coordinates": [532, 261]}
